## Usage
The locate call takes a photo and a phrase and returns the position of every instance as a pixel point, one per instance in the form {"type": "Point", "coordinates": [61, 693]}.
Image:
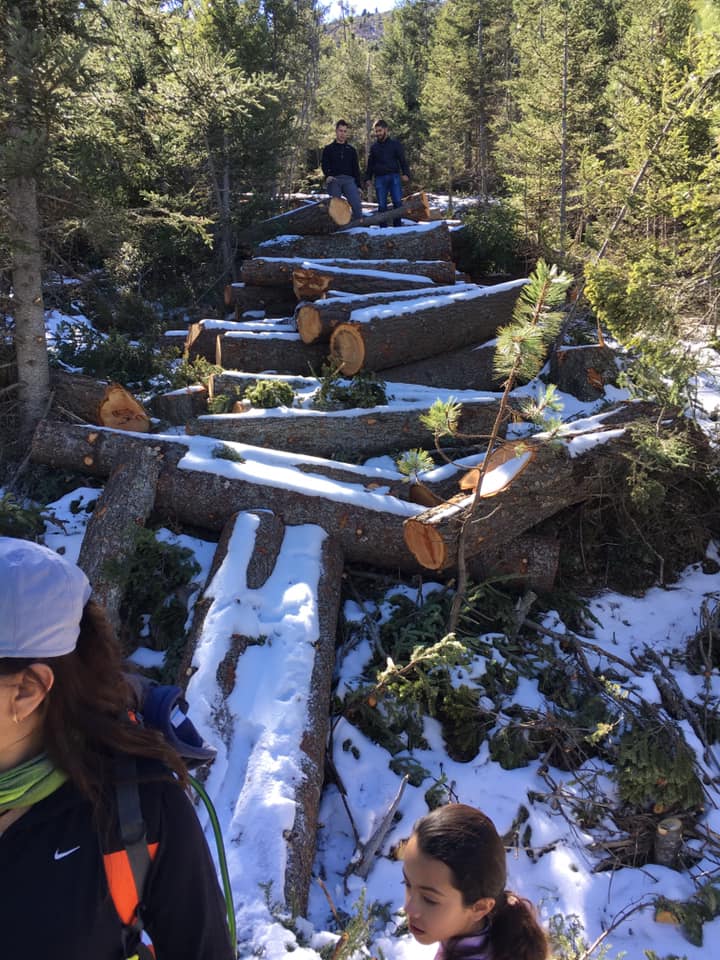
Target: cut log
{"type": "Point", "coordinates": [105, 404]}
{"type": "Point", "coordinates": [312, 283]}
{"type": "Point", "coordinates": [530, 562]}
{"type": "Point", "coordinates": [279, 352]}
{"type": "Point", "coordinates": [179, 406]}
{"type": "Point", "coordinates": [234, 383]}
{"type": "Point", "coordinates": [344, 434]}
{"type": "Point", "coordinates": [321, 217]}
{"type": "Point", "coordinates": [316, 321]}
{"type": "Point", "coordinates": [302, 838]}
{"type": "Point", "coordinates": [124, 505]}
{"type": "Point", "coordinates": [277, 271]}
{"type": "Point", "coordinates": [201, 340]}
{"type": "Point", "coordinates": [415, 207]}
{"type": "Point", "coordinates": [584, 371]}
{"type": "Point", "coordinates": [273, 302]}
{"type": "Point", "coordinates": [469, 368]}
{"type": "Point", "coordinates": [375, 340]}
{"type": "Point", "coordinates": [429, 241]}
{"type": "Point", "coordinates": [366, 523]}
{"type": "Point", "coordinates": [553, 481]}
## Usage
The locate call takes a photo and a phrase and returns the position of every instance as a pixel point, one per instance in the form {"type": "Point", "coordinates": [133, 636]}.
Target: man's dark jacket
{"type": "Point", "coordinates": [54, 898]}
{"type": "Point", "coordinates": [340, 159]}
{"type": "Point", "coordinates": [386, 156]}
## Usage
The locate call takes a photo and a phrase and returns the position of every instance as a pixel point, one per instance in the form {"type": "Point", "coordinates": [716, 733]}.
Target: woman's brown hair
{"type": "Point", "coordinates": [86, 720]}
{"type": "Point", "coordinates": [466, 841]}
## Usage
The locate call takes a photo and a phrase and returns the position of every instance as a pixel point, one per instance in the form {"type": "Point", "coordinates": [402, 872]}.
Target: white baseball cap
{"type": "Point", "coordinates": [42, 596]}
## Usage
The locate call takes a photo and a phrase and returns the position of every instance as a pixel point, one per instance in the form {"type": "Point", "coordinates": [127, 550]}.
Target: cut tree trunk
{"type": "Point", "coordinates": [322, 217]}
{"type": "Point", "coordinates": [415, 207]}
{"type": "Point", "coordinates": [279, 352]}
{"type": "Point", "coordinates": [88, 400]}
{"type": "Point", "coordinates": [302, 837]}
{"type": "Point", "coordinates": [347, 434]}
{"type": "Point", "coordinates": [552, 481]}
{"type": "Point", "coordinates": [311, 283]}
{"type": "Point", "coordinates": [234, 384]}
{"type": "Point", "coordinates": [424, 242]}
{"type": "Point", "coordinates": [530, 562]}
{"type": "Point", "coordinates": [415, 331]}
{"type": "Point", "coordinates": [277, 271]}
{"type": "Point", "coordinates": [179, 406]}
{"type": "Point", "coordinates": [367, 524]}
{"type": "Point", "coordinates": [584, 371]}
{"type": "Point", "coordinates": [316, 321]}
{"type": "Point", "coordinates": [124, 505]}
{"type": "Point", "coordinates": [201, 340]}
{"type": "Point", "coordinates": [469, 368]}
{"type": "Point", "coordinates": [272, 301]}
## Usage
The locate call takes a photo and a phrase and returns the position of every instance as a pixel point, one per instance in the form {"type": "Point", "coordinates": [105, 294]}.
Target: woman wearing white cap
{"type": "Point", "coordinates": [63, 724]}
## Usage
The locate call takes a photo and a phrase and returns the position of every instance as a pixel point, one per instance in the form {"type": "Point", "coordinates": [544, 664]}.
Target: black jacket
{"type": "Point", "coordinates": [340, 159]}
{"type": "Point", "coordinates": [386, 156]}
{"type": "Point", "coordinates": [54, 899]}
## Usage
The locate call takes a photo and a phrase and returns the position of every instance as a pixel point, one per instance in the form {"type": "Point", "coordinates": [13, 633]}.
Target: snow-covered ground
{"type": "Point", "coordinates": [257, 733]}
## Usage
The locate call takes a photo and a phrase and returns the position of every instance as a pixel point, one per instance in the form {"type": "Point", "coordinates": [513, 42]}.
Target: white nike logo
{"type": "Point", "coordinates": [65, 853]}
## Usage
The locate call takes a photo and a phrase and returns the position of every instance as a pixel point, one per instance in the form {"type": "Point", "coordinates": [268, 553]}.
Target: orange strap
{"type": "Point", "coordinates": [121, 882]}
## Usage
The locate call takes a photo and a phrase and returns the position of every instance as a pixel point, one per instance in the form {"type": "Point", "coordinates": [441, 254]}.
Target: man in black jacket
{"type": "Point", "coordinates": [387, 164]}
{"type": "Point", "coordinates": [342, 170]}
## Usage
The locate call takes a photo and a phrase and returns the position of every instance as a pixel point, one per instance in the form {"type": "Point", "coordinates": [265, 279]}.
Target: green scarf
{"type": "Point", "coordinates": [29, 783]}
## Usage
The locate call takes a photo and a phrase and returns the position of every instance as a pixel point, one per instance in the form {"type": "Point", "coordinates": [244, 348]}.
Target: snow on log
{"type": "Point", "coordinates": [310, 283]}
{"type": "Point", "coordinates": [316, 321]}
{"type": "Point", "coordinates": [124, 505]}
{"type": "Point", "coordinates": [178, 406]}
{"type": "Point", "coordinates": [376, 338]}
{"type": "Point", "coordinates": [348, 434]}
{"type": "Point", "coordinates": [277, 271]}
{"type": "Point", "coordinates": [319, 218]}
{"type": "Point", "coordinates": [105, 404]}
{"type": "Point", "coordinates": [201, 340]}
{"type": "Point", "coordinates": [202, 490]}
{"type": "Point", "coordinates": [562, 473]}
{"type": "Point", "coordinates": [280, 352]}
{"type": "Point", "coordinates": [426, 241]}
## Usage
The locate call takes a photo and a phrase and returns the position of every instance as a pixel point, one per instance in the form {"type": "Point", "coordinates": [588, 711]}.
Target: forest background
{"type": "Point", "coordinates": [140, 138]}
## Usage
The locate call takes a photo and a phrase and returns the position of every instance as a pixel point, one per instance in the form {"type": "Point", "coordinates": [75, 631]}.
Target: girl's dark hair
{"type": "Point", "coordinates": [86, 718]}
{"type": "Point", "coordinates": [466, 841]}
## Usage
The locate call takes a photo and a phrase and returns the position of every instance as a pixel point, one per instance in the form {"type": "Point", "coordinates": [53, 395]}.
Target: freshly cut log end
{"type": "Point", "coordinates": [308, 322]}
{"type": "Point", "coordinates": [340, 211]}
{"type": "Point", "coordinates": [121, 411]}
{"type": "Point", "coordinates": [309, 284]}
{"type": "Point", "coordinates": [347, 346]}
{"type": "Point", "coordinates": [425, 544]}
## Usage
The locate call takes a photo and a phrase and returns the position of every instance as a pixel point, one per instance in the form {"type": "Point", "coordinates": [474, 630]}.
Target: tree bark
{"type": "Point", "coordinates": [33, 372]}
{"type": "Point", "coordinates": [426, 242]}
{"type": "Point", "coordinates": [469, 368]}
{"type": "Point", "coordinates": [368, 532]}
{"type": "Point", "coordinates": [279, 352]}
{"type": "Point", "coordinates": [179, 406]}
{"type": "Point", "coordinates": [347, 434]}
{"type": "Point", "coordinates": [97, 401]}
{"type": "Point", "coordinates": [317, 219]}
{"type": "Point", "coordinates": [414, 331]}
{"type": "Point", "coordinates": [272, 301]}
{"type": "Point", "coordinates": [124, 505]}
{"type": "Point", "coordinates": [201, 339]}
{"type": "Point", "coordinates": [278, 271]}
{"type": "Point", "coordinates": [415, 207]}
{"type": "Point", "coordinates": [316, 321]}
{"type": "Point", "coordinates": [353, 281]}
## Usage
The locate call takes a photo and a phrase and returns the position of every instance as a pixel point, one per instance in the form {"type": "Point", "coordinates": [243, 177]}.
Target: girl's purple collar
{"type": "Point", "coordinates": [470, 948]}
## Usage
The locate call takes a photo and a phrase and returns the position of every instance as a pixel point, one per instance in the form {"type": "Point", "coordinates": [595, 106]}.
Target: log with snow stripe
{"type": "Point", "coordinates": [316, 321]}
{"type": "Point", "coordinates": [278, 271]}
{"type": "Point", "coordinates": [281, 352]}
{"type": "Point", "coordinates": [320, 218]}
{"type": "Point", "coordinates": [467, 368]}
{"type": "Point", "coordinates": [201, 339]}
{"type": "Point", "coordinates": [377, 338]}
{"type": "Point", "coordinates": [424, 241]}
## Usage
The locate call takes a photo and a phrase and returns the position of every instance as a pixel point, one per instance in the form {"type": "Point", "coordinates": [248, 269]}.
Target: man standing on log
{"type": "Point", "coordinates": [387, 164]}
{"type": "Point", "coordinates": [342, 170]}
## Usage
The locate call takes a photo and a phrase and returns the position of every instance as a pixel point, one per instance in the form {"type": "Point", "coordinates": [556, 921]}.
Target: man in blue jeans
{"type": "Point", "coordinates": [342, 171]}
{"type": "Point", "coordinates": [387, 164]}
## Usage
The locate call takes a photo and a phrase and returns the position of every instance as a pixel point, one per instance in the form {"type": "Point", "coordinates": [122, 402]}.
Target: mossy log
{"type": "Point", "coordinates": [415, 331]}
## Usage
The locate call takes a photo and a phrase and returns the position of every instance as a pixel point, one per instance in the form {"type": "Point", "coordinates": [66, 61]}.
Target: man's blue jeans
{"type": "Point", "coordinates": [388, 183]}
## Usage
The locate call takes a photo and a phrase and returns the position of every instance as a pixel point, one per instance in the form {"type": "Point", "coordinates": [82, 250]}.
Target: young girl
{"type": "Point", "coordinates": [454, 873]}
